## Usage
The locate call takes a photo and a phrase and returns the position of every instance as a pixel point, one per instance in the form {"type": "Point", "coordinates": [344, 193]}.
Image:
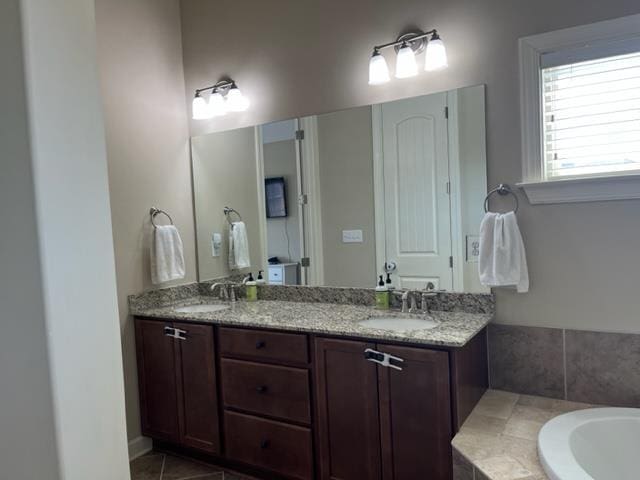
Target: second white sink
{"type": "Point", "coordinates": [201, 308]}
{"type": "Point", "coordinates": [399, 323]}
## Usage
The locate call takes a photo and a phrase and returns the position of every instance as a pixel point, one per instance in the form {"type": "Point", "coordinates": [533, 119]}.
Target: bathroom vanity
{"type": "Point", "coordinates": [301, 390]}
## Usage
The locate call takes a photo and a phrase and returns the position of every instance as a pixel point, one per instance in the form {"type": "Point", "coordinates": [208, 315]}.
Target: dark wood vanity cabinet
{"type": "Point", "coordinates": [177, 382]}
{"type": "Point", "coordinates": [377, 422]}
{"type": "Point", "coordinates": [300, 407]}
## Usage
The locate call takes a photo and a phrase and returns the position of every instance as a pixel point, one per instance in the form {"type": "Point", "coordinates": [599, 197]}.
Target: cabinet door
{"type": "Point", "coordinates": [415, 415]}
{"type": "Point", "coordinates": [347, 404]}
{"type": "Point", "coordinates": [199, 426]}
{"type": "Point", "coordinates": [157, 380]}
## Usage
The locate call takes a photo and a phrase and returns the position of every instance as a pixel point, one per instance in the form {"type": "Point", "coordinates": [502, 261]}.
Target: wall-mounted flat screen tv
{"type": "Point", "coordinates": [276, 197]}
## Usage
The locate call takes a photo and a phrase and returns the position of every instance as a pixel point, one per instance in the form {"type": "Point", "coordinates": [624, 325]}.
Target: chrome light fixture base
{"type": "Point", "coordinates": [418, 45]}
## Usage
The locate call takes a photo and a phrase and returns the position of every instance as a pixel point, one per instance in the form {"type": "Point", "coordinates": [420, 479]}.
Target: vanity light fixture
{"type": "Point", "coordinates": [407, 46]}
{"type": "Point", "coordinates": [225, 97]}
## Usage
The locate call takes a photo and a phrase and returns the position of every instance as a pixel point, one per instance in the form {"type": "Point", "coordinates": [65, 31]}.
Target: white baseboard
{"type": "Point", "coordinates": [139, 446]}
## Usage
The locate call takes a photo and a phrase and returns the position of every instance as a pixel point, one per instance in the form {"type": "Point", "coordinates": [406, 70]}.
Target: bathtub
{"type": "Point", "coordinates": [592, 444]}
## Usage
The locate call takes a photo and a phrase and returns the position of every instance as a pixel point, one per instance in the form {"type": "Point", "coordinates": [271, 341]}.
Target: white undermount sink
{"type": "Point", "coordinates": [201, 308]}
{"type": "Point", "coordinates": [399, 322]}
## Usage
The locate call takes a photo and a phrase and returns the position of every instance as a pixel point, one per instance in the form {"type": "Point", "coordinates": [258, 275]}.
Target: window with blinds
{"type": "Point", "coordinates": [591, 117]}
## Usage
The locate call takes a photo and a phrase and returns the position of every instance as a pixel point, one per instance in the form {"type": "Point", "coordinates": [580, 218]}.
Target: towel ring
{"type": "Point", "coordinates": [502, 190]}
{"type": "Point", "coordinates": [228, 211]}
{"type": "Point", "coordinates": [156, 211]}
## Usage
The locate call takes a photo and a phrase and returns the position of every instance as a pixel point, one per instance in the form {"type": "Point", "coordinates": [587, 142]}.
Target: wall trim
{"type": "Point", "coordinates": [592, 189]}
{"type": "Point", "coordinates": [139, 446]}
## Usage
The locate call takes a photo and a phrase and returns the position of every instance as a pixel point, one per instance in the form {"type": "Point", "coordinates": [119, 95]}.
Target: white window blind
{"type": "Point", "coordinates": [591, 117]}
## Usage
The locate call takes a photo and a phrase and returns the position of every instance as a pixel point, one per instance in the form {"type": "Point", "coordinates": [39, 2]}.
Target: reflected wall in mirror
{"type": "Point", "coordinates": [339, 198]}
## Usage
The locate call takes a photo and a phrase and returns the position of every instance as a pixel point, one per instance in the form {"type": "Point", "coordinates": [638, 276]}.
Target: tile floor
{"type": "Point", "coordinates": [161, 466]}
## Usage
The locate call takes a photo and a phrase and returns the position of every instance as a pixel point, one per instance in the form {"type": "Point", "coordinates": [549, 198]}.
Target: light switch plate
{"type": "Point", "coordinates": [216, 244]}
{"type": "Point", "coordinates": [352, 236]}
{"type": "Point", "coordinates": [473, 248]}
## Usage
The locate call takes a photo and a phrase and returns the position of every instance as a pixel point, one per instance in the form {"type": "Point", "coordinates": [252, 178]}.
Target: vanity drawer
{"type": "Point", "coordinates": [275, 446]}
{"type": "Point", "coordinates": [260, 345]}
{"type": "Point", "coordinates": [281, 392]}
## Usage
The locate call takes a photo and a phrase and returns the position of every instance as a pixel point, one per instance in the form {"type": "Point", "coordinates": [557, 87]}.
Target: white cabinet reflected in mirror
{"type": "Point", "coordinates": [333, 199]}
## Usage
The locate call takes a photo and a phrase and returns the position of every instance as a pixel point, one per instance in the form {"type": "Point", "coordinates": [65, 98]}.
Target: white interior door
{"type": "Point", "coordinates": [415, 173]}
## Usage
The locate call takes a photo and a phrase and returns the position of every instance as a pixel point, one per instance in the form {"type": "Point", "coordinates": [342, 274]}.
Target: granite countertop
{"type": "Point", "coordinates": [498, 441]}
{"type": "Point", "coordinates": [455, 329]}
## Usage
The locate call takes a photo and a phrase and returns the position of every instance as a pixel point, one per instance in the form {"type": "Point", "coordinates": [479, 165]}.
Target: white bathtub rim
{"type": "Point", "coordinates": [554, 448]}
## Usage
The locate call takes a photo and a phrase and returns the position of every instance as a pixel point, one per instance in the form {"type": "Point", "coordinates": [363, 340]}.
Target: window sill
{"type": "Point", "coordinates": [576, 190]}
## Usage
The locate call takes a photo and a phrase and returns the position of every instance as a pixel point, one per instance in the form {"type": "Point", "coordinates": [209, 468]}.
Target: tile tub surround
{"type": "Point", "coordinates": [575, 365]}
{"type": "Point", "coordinates": [498, 441]}
{"type": "Point", "coordinates": [455, 329]}
{"type": "Point", "coordinates": [526, 360]}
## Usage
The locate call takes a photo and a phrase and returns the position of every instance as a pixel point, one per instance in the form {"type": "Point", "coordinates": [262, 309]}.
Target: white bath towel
{"type": "Point", "coordinates": [502, 261]}
{"type": "Point", "coordinates": [167, 257]}
{"type": "Point", "coordinates": [238, 246]}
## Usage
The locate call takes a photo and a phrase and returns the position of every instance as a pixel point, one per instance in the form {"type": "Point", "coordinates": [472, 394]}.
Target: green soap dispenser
{"type": "Point", "coordinates": [382, 295]}
{"type": "Point", "coordinates": [252, 288]}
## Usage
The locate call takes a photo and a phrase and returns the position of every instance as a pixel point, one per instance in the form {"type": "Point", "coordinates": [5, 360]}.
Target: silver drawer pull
{"type": "Point", "coordinates": [382, 358]}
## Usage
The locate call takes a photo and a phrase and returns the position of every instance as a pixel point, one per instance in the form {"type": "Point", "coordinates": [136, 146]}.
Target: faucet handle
{"type": "Point", "coordinates": [414, 306]}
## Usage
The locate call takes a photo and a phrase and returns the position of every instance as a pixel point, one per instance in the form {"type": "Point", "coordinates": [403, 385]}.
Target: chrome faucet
{"type": "Point", "coordinates": [428, 293]}
{"type": "Point", "coordinates": [407, 296]}
{"type": "Point", "coordinates": [223, 291]}
{"type": "Point", "coordinates": [227, 290]}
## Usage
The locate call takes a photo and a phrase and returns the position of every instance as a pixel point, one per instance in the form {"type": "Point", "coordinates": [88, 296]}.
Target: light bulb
{"type": "Point", "coordinates": [217, 105]}
{"type": "Point", "coordinates": [378, 69]}
{"type": "Point", "coordinates": [436, 56]}
{"type": "Point", "coordinates": [200, 108]}
{"type": "Point", "coordinates": [406, 65]}
{"type": "Point", "coordinates": [236, 101]}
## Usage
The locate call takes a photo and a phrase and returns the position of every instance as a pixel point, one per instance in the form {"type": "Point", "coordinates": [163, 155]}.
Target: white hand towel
{"type": "Point", "coordinates": [502, 261]}
{"type": "Point", "coordinates": [167, 257]}
{"type": "Point", "coordinates": [238, 246]}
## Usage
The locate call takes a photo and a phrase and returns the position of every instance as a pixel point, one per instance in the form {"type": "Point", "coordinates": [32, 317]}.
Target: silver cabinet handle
{"type": "Point", "coordinates": [382, 358]}
{"type": "Point", "coordinates": [180, 334]}
{"type": "Point", "coordinates": [175, 333]}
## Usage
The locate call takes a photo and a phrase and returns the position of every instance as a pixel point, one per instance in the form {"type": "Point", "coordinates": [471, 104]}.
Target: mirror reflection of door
{"type": "Point", "coordinates": [411, 154]}
{"type": "Point", "coordinates": [280, 159]}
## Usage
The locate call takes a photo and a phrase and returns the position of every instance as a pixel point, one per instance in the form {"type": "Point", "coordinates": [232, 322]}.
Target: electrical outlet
{"type": "Point", "coordinates": [473, 248]}
{"type": "Point", "coordinates": [216, 244]}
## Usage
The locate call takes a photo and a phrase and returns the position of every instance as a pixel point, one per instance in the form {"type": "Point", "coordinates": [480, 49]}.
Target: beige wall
{"type": "Point", "coordinates": [139, 53]}
{"type": "Point", "coordinates": [312, 57]}
{"type": "Point", "coordinates": [224, 172]}
{"type": "Point", "coordinates": [280, 161]}
{"type": "Point", "coordinates": [346, 189]}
